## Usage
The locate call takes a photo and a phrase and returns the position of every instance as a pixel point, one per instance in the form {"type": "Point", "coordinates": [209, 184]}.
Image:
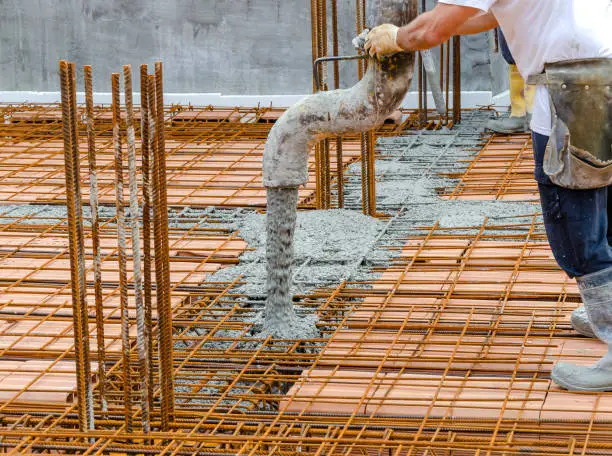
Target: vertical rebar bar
{"type": "Point", "coordinates": [121, 254]}
{"type": "Point", "coordinates": [335, 43]}
{"type": "Point", "coordinates": [322, 27]}
{"type": "Point", "coordinates": [371, 174]}
{"type": "Point", "coordinates": [318, 177]}
{"type": "Point", "coordinates": [164, 311]}
{"type": "Point", "coordinates": [339, 151]}
{"type": "Point", "coordinates": [359, 28]}
{"type": "Point", "coordinates": [423, 78]}
{"type": "Point", "coordinates": [314, 21]}
{"type": "Point", "coordinates": [340, 172]}
{"type": "Point", "coordinates": [145, 137]}
{"type": "Point", "coordinates": [76, 157]}
{"type": "Point", "coordinates": [95, 233]}
{"type": "Point", "coordinates": [448, 79]}
{"type": "Point", "coordinates": [364, 173]}
{"type": "Point", "coordinates": [442, 73]}
{"type": "Point", "coordinates": [326, 173]}
{"type": "Point", "coordinates": [136, 252]}
{"type": "Point", "coordinates": [156, 224]}
{"type": "Point", "coordinates": [456, 79]}
{"type": "Point", "coordinates": [76, 246]}
{"type": "Point", "coordinates": [322, 165]}
{"type": "Point", "coordinates": [419, 67]}
{"type": "Point", "coordinates": [364, 14]}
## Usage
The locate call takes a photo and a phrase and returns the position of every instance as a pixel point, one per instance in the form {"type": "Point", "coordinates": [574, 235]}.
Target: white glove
{"type": "Point", "coordinates": [382, 41]}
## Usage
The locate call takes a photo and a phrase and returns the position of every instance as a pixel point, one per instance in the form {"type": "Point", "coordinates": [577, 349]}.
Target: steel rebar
{"type": "Point", "coordinates": [359, 28]}
{"type": "Point", "coordinates": [145, 136]}
{"type": "Point", "coordinates": [365, 204]}
{"type": "Point", "coordinates": [314, 24]}
{"type": "Point", "coordinates": [76, 248]}
{"type": "Point", "coordinates": [340, 172]}
{"type": "Point", "coordinates": [456, 79]}
{"type": "Point", "coordinates": [164, 310]}
{"type": "Point", "coordinates": [141, 336]}
{"type": "Point", "coordinates": [95, 235]}
{"type": "Point", "coordinates": [121, 252]}
{"type": "Point", "coordinates": [371, 164]}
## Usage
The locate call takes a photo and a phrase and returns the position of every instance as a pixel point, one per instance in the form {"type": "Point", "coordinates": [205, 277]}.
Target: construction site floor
{"type": "Point", "coordinates": [437, 335]}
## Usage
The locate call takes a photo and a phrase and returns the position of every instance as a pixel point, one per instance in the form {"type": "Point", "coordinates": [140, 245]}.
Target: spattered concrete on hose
{"type": "Point", "coordinates": [320, 116]}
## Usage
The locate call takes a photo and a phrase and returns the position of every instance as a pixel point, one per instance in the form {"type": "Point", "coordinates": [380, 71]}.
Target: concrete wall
{"type": "Point", "coordinates": [228, 46]}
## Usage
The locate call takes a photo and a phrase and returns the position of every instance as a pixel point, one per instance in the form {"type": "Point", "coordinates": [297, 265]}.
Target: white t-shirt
{"type": "Point", "coordinates": [547, 31]}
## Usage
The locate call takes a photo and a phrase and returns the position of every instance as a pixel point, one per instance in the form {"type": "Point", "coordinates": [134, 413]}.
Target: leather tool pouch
{"type": "Point", "coordinates": [579, 153]}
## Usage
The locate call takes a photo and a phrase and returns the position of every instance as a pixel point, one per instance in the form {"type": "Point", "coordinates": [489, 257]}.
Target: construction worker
{"type": "Point", "coordinates": [521, 98]}
{"type": "Point", "coordinates": [571, 42]}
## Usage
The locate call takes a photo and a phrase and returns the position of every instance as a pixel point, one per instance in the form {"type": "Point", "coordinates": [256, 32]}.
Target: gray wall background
{"type": "Point", "coordinates": [229, 46]}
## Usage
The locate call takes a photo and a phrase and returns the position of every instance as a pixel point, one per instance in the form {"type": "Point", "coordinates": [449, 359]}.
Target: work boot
{"type": "Point", "coordinates": [521, 104]}
{"type": "Point", "coordinates": [580, 322]}
{"type": "Point", "coordinates": [590, 379]}
{"type": "Point", "coordinates": [509, 125]}
{"type": "Point", "coordinates": [596, 291]}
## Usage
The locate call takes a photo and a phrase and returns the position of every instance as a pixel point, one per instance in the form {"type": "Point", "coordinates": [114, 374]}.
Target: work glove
{"type": "Point", "coordinates": [382, 41]}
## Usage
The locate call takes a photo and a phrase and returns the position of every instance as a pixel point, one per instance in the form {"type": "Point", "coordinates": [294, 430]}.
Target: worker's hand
{"type": "Point", "coordinates": [382, 41]}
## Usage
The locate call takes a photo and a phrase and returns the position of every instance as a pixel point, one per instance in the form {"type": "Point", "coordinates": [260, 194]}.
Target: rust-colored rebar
{"type": "Point", "coordinates": [145, 141]}
{"type": "Point", "coordinates": [164, 309]}
{"type": "Point", "coordinates": [365, 193]}
{"type": "Point", "coordinates": [314, 27]}
{"type": "Point", "coordinates": [322, 41]}
{"type": "Point", "coordinates": [359, 28]}
{"type": "Point", "coordinates": [465, 371]}
{"type": "Point", "coordinates": [326, 170]}
{"type": "Point", "coordinates": [339, 155]}
{"type": "Point", "coordinates": [95, 235]}
{"type": "Point", "coordinates": [141, 336]}
{"type": "Point", "coordinates": [318, 177]}
{"type": "Point", "coordinates": [456, 79]}
{"type": "Point", "coordinates": [335, 42]}
{"type": "Point", "coordinates": [423, 83]}
{"type": "Point", "coordinates": [322, 168]}
{"type": "Point", "coordinates": [421, 106]}
{"type": "Point", "coordinates": [364, 14]}
{"type": "Point", "coordinates": [76, 160]}
{"type": "Point", "coordinates": [121, 253]}
{"type": "Point", "coordinates": [76, 246]}
{"type": "Point", "coordinates": [340, 172]}
{"type": "Point", "coordinates": [371, 174]}
{"type": "Point", "coordinates": [448, 80]}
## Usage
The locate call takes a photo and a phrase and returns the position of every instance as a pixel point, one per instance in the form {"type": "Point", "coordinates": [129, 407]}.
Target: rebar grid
{"type": "Point", "coordinates": [502, 170]}
{"type": "Point", "coordinates": [208, 162]}
{"type": "Point", "coordinates": [448, 352]}
{"type": "Point", "coordinates": [321, 41]}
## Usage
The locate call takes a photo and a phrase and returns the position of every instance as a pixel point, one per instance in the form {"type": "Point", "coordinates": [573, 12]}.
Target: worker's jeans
{"type": "Point", "coordinates": [576, 221]}
{"type": "Point", "coordinates": [505, 50]}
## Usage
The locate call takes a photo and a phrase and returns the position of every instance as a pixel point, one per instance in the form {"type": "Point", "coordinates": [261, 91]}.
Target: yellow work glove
{"type": "Point", "coordinates": [382, 41]}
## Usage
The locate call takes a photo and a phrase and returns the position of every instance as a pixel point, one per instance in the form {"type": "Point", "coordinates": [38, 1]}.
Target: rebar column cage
{"type": "Point", "coordinates": [324, 11]}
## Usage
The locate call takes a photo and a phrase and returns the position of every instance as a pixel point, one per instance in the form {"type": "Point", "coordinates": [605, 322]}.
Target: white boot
{"type": "Point", "coordinates": [592, 379]}
{"type": "Point", "coordinates": [580, 322]}
{"type": "Point", "coordinates": [596, 291]}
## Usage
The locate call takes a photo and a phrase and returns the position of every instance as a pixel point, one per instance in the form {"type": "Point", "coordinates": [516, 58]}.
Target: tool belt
{"type": "Point", "coordinates": [579, 153]}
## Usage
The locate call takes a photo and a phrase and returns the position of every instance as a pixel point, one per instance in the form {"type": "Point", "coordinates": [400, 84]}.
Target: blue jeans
{"type": "Point", "coordinates": [505, 50]}
{"type": "Point", "coordinates": [576, 221]}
